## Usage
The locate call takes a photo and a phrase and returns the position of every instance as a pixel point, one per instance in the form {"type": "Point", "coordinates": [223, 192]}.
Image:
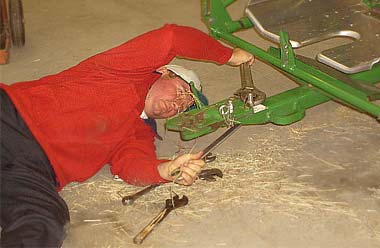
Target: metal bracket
{"type": "Point", "coordinates": [287, 54]}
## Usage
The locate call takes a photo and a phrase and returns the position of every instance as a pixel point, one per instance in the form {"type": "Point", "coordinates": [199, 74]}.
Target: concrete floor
{"type": "Point", "coordinates": [330, 158]}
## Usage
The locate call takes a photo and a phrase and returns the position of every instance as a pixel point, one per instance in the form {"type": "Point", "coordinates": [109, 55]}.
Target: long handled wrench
{"type": "Point", "coordinates": [129, 199]}
{"type": "Point", "coordinates": [176, 173]}
{"type": "Point", "coordinates": [248, 93]}
{"type": "Point", "coordinates": [170, 204]}
{"type": "Point", "coordinates": [206, 174]}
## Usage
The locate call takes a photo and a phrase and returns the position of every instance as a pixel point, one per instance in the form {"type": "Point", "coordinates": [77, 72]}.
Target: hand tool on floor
{"type": "Point", "coordinates": [207, 175]}
{"type": "Point", "coordinates": [170, 204]}
{"type": "Point", "coordinates": [176, 173]}
{"type": "Point", "coordinates": [130, 199]}
{"type": "Point", "coordinates": [210, 174]}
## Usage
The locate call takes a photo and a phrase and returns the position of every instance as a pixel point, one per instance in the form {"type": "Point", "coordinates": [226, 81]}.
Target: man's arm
{"type": "Point", "coordinates": [135, 159]}
{"type": "Point", "coordinates": [192, 43]}
{"type": "Point", "coordinates": [151, 50]}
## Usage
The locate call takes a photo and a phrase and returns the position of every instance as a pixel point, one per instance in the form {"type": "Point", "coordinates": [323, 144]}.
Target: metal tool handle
{"type": "Point", "coordinates": [129, 199]}
{"type": "Point", "coordinates": [211, 147]}
{"type": "Point", "coordinates": [139, 238]}
{"type": "Point", "coordinates": [246, 76]}
{"type": "Point", "coordinates": [219, 140]}
{"type": "Point", "coordinates": [248, 93]}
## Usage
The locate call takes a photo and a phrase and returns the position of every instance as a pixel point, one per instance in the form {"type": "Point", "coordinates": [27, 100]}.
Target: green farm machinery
{"type": "Point", "coordinates": [348, 74]}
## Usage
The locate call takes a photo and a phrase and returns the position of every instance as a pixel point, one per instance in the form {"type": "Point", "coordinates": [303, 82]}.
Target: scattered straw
{"type": "Point", "coordinates": [375, 192]}
{"type": "Point", "coordinates": [248, 179]}
{"type": "Point", "coordinates": [255, 178]}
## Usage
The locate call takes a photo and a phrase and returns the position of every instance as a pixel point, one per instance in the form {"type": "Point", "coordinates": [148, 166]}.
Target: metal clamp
{"type": "Point", "coordinates": [227, 112]}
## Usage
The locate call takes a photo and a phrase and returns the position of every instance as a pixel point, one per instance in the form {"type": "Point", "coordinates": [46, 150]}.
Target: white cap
{"type": "Point", "coordinates": [185, 74]}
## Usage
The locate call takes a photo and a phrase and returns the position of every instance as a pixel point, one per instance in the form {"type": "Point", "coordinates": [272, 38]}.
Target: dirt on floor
{"type": "Point", "coordinates": [290, 188]}
{"type": "Point", "coordinates": [315, 183]}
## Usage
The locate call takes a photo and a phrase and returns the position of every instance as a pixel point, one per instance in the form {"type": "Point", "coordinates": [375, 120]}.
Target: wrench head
{"type": "Point", "coordinates": [210, 174]}
{"type": "Point", "coordinates": [127, 200]}
{"type": "Point", "coordinates": [176, 202]}
{"type": "Point", "coordinates": [209, 157]}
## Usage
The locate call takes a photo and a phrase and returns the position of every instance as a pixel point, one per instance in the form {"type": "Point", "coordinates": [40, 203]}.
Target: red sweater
{"type": "Point", "coordinates": [89, 115]}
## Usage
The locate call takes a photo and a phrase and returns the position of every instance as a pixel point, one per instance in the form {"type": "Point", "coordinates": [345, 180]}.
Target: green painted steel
{"type": "Point", "coordinates": [281, 109]}
{"type": "Point", "coordinates": [372, 3]}
{"type": "Point", "coordinates": [315, 87]}
{"type": "Point", "coordinates": [372, 76]}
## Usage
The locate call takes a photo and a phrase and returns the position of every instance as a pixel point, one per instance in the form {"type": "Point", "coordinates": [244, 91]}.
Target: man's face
{"type": "Point", "coordinates": [168, 96]}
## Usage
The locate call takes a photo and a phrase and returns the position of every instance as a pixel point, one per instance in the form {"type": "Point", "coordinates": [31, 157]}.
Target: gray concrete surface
{"type": "Point", "coordinates": [331, 157]}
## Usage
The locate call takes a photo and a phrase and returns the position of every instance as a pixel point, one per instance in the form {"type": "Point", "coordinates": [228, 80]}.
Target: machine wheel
{"type": "Point", "coordinates": [3, 34]}
{"type": "Point", "coordinates": [16, 21]}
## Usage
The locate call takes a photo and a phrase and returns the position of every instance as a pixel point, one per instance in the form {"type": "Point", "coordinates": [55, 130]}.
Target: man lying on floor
{"type": "Point", "coordinates": [65, 127]}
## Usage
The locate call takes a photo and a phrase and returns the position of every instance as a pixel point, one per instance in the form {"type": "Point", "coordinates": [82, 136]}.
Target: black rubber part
{"type": "Point", "coordinates": [16, 21]}
{"type": "Point", "coordinates": [3, 34]}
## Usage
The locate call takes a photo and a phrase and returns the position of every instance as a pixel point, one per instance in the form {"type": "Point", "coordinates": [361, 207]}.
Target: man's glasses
{"type": "Point", "coordinates": [185, 98]}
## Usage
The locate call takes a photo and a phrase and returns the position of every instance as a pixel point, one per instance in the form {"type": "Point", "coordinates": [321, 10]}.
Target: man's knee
{"type": "Point", "coordinates": [33, 231]}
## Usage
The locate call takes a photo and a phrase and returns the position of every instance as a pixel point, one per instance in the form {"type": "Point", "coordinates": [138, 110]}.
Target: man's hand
{"type": "Point", "coordinates": [190, 166]}
{"type": "Point", "coordinates": [239, 56]}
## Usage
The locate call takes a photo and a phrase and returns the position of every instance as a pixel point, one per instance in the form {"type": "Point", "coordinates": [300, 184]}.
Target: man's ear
{"type": "Point", "coordinates": [162, 70]}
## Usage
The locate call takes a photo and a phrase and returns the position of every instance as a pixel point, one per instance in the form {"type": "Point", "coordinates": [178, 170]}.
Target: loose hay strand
{"type": "Point", "coordinates": [249, 178]}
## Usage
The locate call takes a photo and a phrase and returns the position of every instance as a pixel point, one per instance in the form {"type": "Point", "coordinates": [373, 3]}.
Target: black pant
{"type": "Point", "coordinates": [32, 212]}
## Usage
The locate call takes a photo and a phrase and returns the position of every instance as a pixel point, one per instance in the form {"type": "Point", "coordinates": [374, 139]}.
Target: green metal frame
{"type": "Point", "coordinates": [372, 3]}
{"type": "Point", "coordinates": [315, 87]}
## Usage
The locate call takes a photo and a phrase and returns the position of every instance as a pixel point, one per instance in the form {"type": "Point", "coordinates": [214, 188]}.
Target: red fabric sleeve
{"type": "Point", "coordinates": [135, 160]}
{"type": "Point", "coordinates": [156, 48]}
{"type": "Point", "coordinates": [192, 43]}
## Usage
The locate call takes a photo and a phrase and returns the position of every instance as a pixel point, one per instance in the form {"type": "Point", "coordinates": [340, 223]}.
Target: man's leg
{"type": "Point", "coordinates": [32, 212]}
